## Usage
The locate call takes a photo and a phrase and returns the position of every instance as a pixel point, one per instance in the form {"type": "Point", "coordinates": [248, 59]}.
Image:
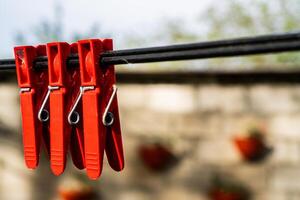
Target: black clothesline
{"type": "Point", "coordinates": [266, 44]}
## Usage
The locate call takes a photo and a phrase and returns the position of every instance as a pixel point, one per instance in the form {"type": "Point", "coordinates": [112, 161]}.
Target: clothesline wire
{"type": "Point", "coordinates": [265, 44]}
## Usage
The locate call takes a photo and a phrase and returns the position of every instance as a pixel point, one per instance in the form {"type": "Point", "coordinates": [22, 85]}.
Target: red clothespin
{"type": "Point", "coordinates": [110, 117]}
{"type": "Point", "coordinates": [75, 117]}
{"type": "Point", "coordinates": [33, 84]}
{"type": "Point", "coordinates": [65, 125]}
{"type": "Point", "coordinates": [94, 134]}
{"type": "Point", "coordinates": [100, 109]}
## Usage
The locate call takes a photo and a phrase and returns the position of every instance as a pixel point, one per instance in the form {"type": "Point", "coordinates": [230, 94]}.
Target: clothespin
{"type": "Point", "coordinates": [64, 86]}
{"type": "Point", "coordinates": [75, 118]}
{"type": "Point", "coordinates": [33, 87]}
{"type": "Point", "coordinates": [100, 111]}
{"type": "Point", "coordinates": [94, 133]}
{"type": "Point", "coordinates": [110, 116]}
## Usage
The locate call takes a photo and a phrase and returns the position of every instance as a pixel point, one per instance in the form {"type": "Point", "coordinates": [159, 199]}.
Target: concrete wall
{"type": "Point", "coordinates": [197, 121]}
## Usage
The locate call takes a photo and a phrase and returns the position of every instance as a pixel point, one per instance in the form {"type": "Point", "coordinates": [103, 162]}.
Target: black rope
{"type": "Point", "coordinates": [211, 44]}
{"type": "Point", "coordinates": [222, 48]}
{"type": "Point", "coordinates": [230, 51]}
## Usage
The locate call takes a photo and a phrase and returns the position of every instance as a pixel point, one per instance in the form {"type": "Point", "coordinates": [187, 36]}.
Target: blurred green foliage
{"type": "Point", "coordinates": [229, 19]}
{"type": "Point", "coordinates": [236, 18]}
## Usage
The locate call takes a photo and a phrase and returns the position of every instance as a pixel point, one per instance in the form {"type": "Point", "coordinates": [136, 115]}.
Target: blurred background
{"type": "Point", "coordinates": [220, 129]}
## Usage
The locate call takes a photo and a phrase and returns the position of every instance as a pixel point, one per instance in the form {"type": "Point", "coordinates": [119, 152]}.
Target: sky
{"type": "Point", "coordinates": [119, 17]}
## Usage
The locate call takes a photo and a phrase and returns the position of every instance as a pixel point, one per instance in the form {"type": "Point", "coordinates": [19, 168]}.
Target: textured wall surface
{"type": "Point", "coordinates": [197, 122]}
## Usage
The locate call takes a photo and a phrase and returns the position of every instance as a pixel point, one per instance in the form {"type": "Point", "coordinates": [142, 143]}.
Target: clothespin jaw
{"type": "Point", "coordinates": [33, 85]}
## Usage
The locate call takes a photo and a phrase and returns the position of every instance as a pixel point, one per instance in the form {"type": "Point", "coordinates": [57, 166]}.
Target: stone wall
{"type": "Point", "coordinates": [197, 122]}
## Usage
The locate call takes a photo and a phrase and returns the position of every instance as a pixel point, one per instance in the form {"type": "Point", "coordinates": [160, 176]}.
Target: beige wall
{"type": "Point", "coordinates": [198, 122]}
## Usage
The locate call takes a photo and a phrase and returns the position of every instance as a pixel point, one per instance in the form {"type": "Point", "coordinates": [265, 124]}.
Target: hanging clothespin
{"type": "Point", "coordinates": [110, 116]}
{"type": "Point", "coordinates": [75, 118]}
{"type": "Point", "coordinates": [64, 86]}
{"type": "Point", "coordinates": [33, 87]}
{"type": "Point", "coordinates": [94, 133]}
{"type": "Point", "coordinates": [100, 110]}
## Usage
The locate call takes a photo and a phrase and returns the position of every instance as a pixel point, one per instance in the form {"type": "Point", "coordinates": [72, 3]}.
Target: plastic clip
{"type": "Point", "coordinates": [33, 87]}
{"type": "Point", "coordinates": [111, 119]}
{"type": "Point", "coordinates": [100, 110]}
{"type": "Point", "coordinates": [94, 134]}
{"type": "Point", "coordinates": [65, 128]}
